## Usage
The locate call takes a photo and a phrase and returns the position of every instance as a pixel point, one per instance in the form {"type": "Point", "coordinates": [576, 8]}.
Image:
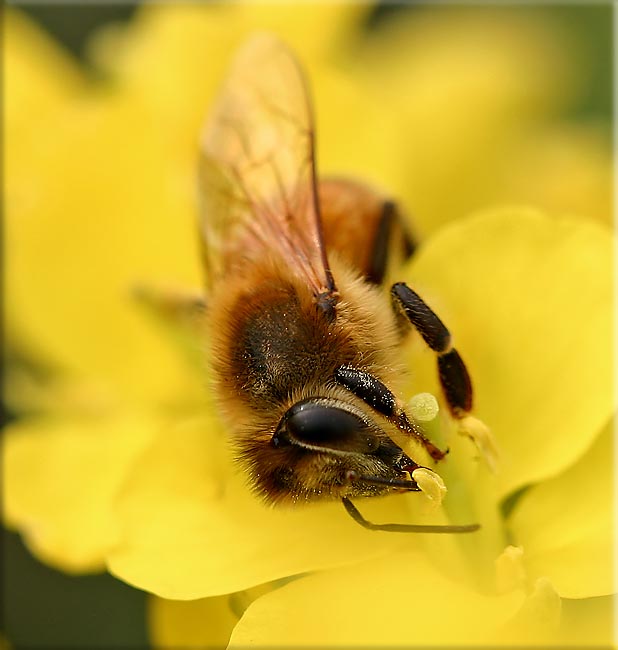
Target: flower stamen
{"type": "Point", "coordinates": [482, 437]}
{"type": "Point", "coordinates": [431, 485]}
{"type": "Point", "coordinates": [510, 570]}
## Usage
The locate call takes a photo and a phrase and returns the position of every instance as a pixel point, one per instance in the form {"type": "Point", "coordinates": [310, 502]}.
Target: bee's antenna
{"type": "Point", "coordinates": [352, 510]}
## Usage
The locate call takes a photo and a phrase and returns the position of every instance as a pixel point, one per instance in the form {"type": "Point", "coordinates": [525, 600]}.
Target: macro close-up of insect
{"type": "Point", "coordinates": [305, 325]}
{"type": "Point", "coordinates": [308, 317]}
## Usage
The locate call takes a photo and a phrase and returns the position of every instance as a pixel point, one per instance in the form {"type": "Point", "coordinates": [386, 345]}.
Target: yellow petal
{"type": "Point", "coordinates": [60, 481]}
{"type": "Point", "coordinates": [314, 30]}
{"type": "Point", "coordinates": [471, 81]}
{"type": "Point", "coordinates": [528, 300]}
{"type": "Point", "coordinates": [537, 623]}
{"type": "Point", "coordinates": [38, 74]}
{"type": "Point", "coordinates": [561, 168]}
{"type": "Point", "coordinates": [399, 600]}
{"type": "Point", "coordinates": [74, 254]}
{"type": "Point", "coordinates": [589, 622]}
{"type": "Point", "coordinates": [207, 622]}
{"type": "Point", "coordinates": [545, 620]}
{"type": "Point", "coordinates": [566, 525]}
{"type": "Point", "coordinates": [174, 56]}
{"type": "Point", "coordinates": [190, 528]}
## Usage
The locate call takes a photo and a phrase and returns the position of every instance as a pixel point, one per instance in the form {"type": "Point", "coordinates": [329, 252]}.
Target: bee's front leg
{"type": "Point", "coordinates": [454, 377]}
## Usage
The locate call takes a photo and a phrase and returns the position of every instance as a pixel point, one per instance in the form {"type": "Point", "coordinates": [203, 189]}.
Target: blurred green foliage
{"type": "Point", "coordinates": [43, 608]}
{"type": "Point", "coordinates": [72, 24]}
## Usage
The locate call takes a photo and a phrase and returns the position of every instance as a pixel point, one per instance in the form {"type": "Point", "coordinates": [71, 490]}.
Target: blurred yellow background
{"type": "Point", "coordinates": [451, 109]}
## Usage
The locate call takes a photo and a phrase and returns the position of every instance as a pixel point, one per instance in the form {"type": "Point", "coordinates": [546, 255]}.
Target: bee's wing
{"type": "Point", "coordinates": [257, 168]}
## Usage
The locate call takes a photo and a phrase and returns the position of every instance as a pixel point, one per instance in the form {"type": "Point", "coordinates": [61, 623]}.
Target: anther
{"type": "Point", "coordinates": [482, 437]}
{"type": "Point", "coordinates": [430, 483]}
{"type": "Point", "coordinates": [510, 570]}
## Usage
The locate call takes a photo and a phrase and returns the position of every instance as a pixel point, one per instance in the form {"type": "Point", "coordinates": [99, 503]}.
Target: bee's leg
{"type": "Point", "coordinates": [454, 377]}
{"type": "Point", "coordinates": [392, 237]}
{"type": "Point", "coordinates": [374, 393]}
{"type": "Point", "coordinates": [180, 314]}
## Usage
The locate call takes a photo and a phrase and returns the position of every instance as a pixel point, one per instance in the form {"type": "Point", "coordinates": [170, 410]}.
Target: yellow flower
{"type": "Point", "coordinates": [122, 462]}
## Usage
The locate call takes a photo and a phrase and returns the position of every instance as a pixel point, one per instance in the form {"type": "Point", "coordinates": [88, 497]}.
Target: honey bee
{"type": "Point", "coordinates": [305, 339]}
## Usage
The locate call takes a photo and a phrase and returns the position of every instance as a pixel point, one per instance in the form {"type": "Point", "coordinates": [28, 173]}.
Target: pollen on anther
{"type": "Point", "coordinates": [431, 484]}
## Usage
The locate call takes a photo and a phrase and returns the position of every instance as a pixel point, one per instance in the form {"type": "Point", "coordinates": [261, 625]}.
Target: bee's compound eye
{"type": "Point", "coordinates": [314, 425]}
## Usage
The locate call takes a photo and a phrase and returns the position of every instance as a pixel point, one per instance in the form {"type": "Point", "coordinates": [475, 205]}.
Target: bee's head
{"type": "Point", "coordinates": [324, 447]}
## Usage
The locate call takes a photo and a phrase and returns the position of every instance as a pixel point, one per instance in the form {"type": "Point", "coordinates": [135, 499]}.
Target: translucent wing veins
{"type": "Point", "coordinates": [257, 171]}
